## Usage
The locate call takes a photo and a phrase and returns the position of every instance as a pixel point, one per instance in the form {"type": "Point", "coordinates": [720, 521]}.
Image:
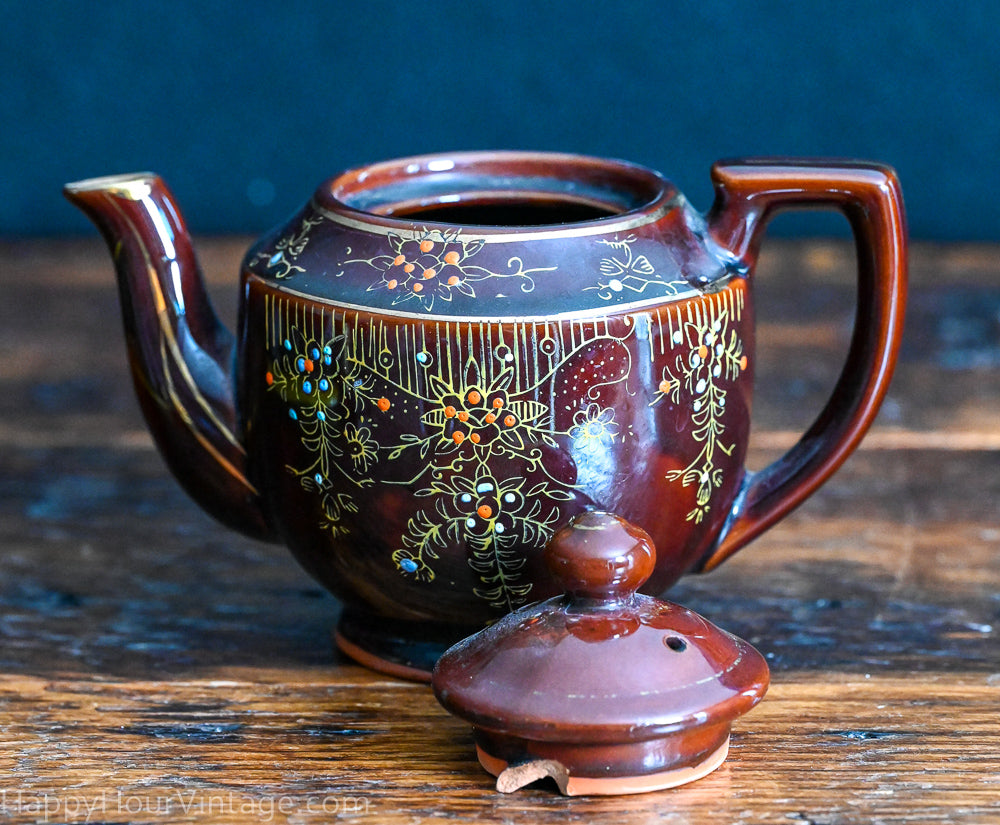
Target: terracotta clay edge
{"type": "Point", "coordinates": [514, 777]}
{"type": "Point", "coordinates": [378, 664]}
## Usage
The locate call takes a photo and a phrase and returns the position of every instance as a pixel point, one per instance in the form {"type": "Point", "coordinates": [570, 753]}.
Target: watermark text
{"type": "Point", "coordinates": [81, 807]}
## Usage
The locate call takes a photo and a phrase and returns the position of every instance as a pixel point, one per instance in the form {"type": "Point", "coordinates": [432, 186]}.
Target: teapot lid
{"type": "Point", "coordinates": [495, 235]}
{"type": "Point", "coordinates": [604, 689]}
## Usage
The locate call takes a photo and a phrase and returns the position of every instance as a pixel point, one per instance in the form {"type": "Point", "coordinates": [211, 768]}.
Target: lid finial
{"type": "Point", "coordinates": [600, 556]}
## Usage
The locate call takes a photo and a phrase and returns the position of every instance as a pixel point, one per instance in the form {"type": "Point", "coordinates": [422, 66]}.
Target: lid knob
{"type": "Point", "coordinates": [600, 556]}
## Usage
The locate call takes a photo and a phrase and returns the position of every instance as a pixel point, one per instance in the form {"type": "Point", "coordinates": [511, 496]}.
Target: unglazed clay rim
{"type": "Point", "coordinates": [575, 785]}
{"type": "Point", "coordinates": [653, 194]}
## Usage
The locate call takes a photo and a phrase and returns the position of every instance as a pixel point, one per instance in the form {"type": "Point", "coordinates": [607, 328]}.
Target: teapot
{"type": "Point", "coordinates": [440, 361]}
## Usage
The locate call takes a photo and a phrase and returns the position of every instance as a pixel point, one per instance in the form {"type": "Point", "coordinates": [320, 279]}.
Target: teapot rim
{"type": "Point", "coordinates": [372, 196]}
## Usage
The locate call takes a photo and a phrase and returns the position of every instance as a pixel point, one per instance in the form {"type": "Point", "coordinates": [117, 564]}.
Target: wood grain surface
{"type": "Point", "coordinates": [155, 667]}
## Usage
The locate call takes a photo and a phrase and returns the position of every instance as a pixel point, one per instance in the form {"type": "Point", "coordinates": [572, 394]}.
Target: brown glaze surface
{"type": "Point", "coordinates": [420, 406]}
{"type": "Point", "coordinates": [594, 557]}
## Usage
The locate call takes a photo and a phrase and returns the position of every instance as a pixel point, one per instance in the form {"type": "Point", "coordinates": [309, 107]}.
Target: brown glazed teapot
{"type": "Point", "coordinates": [442, 360]}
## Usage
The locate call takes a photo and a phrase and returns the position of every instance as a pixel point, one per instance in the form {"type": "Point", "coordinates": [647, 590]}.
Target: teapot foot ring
{"type": "Point", "coordinates": [401, 670]}
{"type": "Point", "coordinates": [403, 649]}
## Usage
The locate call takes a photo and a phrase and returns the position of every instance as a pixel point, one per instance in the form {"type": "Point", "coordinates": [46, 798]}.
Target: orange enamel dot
{"type": "Point", "coordinates": [702, 351]}
{"type": "Point", "coordinates": [458, 437]}
{"type": "Point", "coordinates": [475, 397]}
{"type": "Point", "coordinates": [743, 363]}
{"type": "Point", "coordinates": [451, 258]}
{"type": "Point", "coordinates": [485, 511]}
{"type": "Point", "coordinates": [463, 416]}
{"type": "Point", "coordinates": [309, 365]}
{"type": "Point", "coordinates": [509, 421]}
{"type": "Point", "coordinates": [453, 280]}
{"type": "Point", "coordinates": [449, 411]}
{"type": "Point", "coordinates": [383, 404]}
{"type": "Point", "coordinates": [429, 273]}
{"type": "Point", "coordinates": [392, 284]}
{"type": "Point", "coordinates": [408, 268]}
{"type": "Point", "coordinates": [418, 287]}
{"type": "Point", "coordinates": [269, 378]}
{"type": "Point", "coordinates": [665, 386]}
{"type": "Point", "coordinates": [490, 418]}
{"type": "Point", "coordinates": [399, 260]}
{"type": "Point", "coordinates": [426, 246]}
{"type": "Point", "coordinates": [498, 403]}
{"type": "Point", "coordinates": [474, 438]}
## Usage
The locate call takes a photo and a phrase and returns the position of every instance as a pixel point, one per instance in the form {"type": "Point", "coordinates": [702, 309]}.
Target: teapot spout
{"type": "Point", "coordinates": [181, 356]}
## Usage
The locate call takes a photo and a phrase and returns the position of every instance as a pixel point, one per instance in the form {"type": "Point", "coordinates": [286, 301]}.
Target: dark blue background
{"type": "Point", "coordinates": [245, 107]}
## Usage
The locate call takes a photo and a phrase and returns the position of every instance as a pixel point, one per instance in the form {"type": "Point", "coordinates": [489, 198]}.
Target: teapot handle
{"type": "Point", "coordinates": [748, 192]}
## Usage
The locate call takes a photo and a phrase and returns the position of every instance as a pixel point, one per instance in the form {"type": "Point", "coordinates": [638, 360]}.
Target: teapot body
{"type": "Point", "coordinates": [420, 465]}
{"type": "Point", "coordinates": [427, 402]}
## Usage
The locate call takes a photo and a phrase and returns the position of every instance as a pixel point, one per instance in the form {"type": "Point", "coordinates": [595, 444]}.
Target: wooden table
{"type": "Point", "coordinates": [155, 667]}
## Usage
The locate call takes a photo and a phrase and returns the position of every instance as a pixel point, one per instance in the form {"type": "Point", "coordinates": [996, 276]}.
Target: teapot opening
{"type": "Point", "coordinates": [507, 212]}
{"type": "Point", "coordinates": [498, 189]}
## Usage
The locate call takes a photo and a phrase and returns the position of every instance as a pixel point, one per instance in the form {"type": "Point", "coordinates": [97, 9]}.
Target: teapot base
{"type": "Point", "coordinates": [404, 649]}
